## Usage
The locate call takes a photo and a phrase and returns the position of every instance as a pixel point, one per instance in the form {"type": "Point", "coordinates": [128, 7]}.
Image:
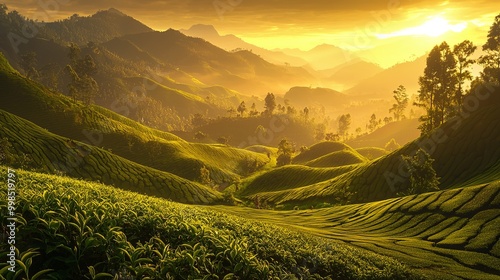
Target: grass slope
{"type": "Point", "coordinates": [289, 177]}
{"type": "Point", "coordinates": [52, 153]}
{"type": "Point", "coordinates": [319, 150]}
{"type": "Point", "coordinates": [69, 229]}
{"type": "Point", "coordinates": [372, 153]}
{"type": "Point", "coordinates": [340, 158]}
{"type": "Point", "coordinates": [127, 138]}
{"type": "Point", "coordinates": [465, 151]}
{"type": "Point", "coordinates": [451, 234]}
{"type": "Point", "coordinates": [403, 132]}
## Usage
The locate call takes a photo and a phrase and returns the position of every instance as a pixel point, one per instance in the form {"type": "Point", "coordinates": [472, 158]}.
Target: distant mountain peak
{"type": "Point", "coordinates": [115, 11]}
{"type": "Point", "coordinates": [205, 29]}
{"type": "Point", "coordinates": [112, 11]}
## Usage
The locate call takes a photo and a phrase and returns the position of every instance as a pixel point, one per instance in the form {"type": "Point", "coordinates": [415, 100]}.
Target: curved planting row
{"type": "Point", "coordinates": [69, 229]}
{"type": "Point", "coordinates": [50, 153]}
{"type": "Point", "coordinates": [451, 234]}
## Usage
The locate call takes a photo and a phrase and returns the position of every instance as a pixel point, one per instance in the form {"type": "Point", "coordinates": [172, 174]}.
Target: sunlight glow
{"type": "Point", "coordinates": [434, 27]}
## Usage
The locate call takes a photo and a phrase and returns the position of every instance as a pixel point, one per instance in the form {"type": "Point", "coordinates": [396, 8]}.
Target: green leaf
{"type": "Point", "coordinates": [41, 273]}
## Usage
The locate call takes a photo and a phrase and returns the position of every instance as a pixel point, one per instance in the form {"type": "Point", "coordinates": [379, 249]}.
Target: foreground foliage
{"type": "Point", "coordinates": [72, 229]}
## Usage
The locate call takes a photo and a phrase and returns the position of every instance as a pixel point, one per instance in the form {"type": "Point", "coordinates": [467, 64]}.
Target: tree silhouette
{"type": "Point", "coordinates": [285, 152]}
{"type": "Point", "coordinates": [423, 177]}
{"type": "Point", "coordinates": [399, 107]}
{"type": "Point", "coordinates": [270, 103]}
{"type": "Point", "coordinates": [344, 125]}
{"type": "Point", "coordinates": [491, 60]}
{"type": "Point", "coordinates": [242, 108]}
{"type": "Point", "coordinates": [462, 53]}
{"type": "Point", "coordinates": [438, 87]}
{"type": "Point", "coordinates": [82, 86]}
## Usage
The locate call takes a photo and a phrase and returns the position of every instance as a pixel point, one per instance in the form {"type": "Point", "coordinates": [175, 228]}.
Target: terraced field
{"type": "Point", "coordinates": [103, 128]}
{"type": "Point", "coordinates": [72, 229]}
{"type": "Point", "coordinates": [465, 151]}
{"type": "Point", "coordinates": [54, 154]}
{"type": "Point", "coordinates": [452, 234]}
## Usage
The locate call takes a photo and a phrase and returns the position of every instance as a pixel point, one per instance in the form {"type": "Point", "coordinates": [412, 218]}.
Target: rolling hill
{"type": "Point", "coordinates": [403, 132]}
{"type": "Point", "coordinates": [76, 229]}
{"type": "Point", "coordinates": [242, 70]}
{"type": "Point", "coordinates": [451, 234]}
{"type": "Point", "coordinates": [385, 82]}
{"type": "Point", "coordinates": [103, 128]}
{"type": "Point", "coordinates": [54, 154]}
{"type": "Point", "coordinates": [465, 153]}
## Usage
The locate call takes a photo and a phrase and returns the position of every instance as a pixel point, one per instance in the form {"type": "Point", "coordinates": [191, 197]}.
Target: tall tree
{"type": "Point", "coordinates": [285, 152]}
{"type": "Point", "coordinates": [242, 108]}
{"type": "Point", "coordinates": [462, 53]}
{"type": "Point", "coordinates": [438, 87]}
{"type": "Point", "coordinates": [270, 103]}
{"type": "Point", "coordinates": [344, 125]}
{"type": "Point", "coordinates": [373, 123]}
{"type": "Point", "coordinates": [83, 86]}
{"type": "Point", "coordinates": [491, 60]}
{"type": "Point", "coordinates": [399, 107]}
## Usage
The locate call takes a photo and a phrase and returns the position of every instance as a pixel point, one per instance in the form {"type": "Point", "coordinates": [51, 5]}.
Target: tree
{"type": "Point", "coordinates": [491, 60]}
{"type": "Point", "coordinates": [399, 107]}
{"type": "Point", "coordinates": [423, 177]}
{"type": "Point", "coordinates": [270, 103]}
{"type": "Point", "coordinates": [29, 64]}
{"type": "Point", "coordinates": [332, 137]}
{"type": "Point", "coordinates": [344, 125]}
{"type": "Point", "coordinates": [205, 175]}
{"type": "Point", "coordinates": [306, 113]}
{"type": "Point", "coordinates": [462, 53]}
{"type": "Point", "coordinates": [253, 110]}
{"type": "Point", "coordinates": [242, 108]}
{"type": "Point", "coordinates": [438, 87]}
{"type": "Point", "coordinates": [83, 86]}
{"type": "Point", "coordinates": [198, 120]}
{"type": "Point", "coordinates": [373, 123]}
{"type": "Point", "coordinates": [285, 152]}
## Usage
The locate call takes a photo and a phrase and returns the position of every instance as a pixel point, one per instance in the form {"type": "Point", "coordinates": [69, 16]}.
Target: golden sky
{"type": "Point", "coordinates": [385, 31]}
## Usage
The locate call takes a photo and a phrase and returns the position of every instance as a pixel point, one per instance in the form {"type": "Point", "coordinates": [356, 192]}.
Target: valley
{"type": "Point", "coordinates": [130, 152]}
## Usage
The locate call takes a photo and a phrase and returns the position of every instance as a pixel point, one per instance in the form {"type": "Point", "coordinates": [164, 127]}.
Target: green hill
{"type": "Point", "coordinates": [372, 153]}
{"type": "Point", "coordinates": [318, 150]}
{"type": "Point", "coordinates": [124, 137]}
{"type": "Point", "coordinates": [403, 132]}
{"type": "Point", "coordinates": [76, 230]}
{"type": "Point", "coordinates": [335, 159]}
{"type": "Point", "coordinates": [451, 234]}
{"type": "Point", "coordinates": [54, 154]}
{"type": "Point", "coordinates": [289, 177]}
{"type": "Point", "coordinates": [465, 153]}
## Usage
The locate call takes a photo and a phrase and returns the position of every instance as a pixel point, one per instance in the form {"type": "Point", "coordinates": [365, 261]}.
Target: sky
{"type": "Point", "coordinates": [385, 31]}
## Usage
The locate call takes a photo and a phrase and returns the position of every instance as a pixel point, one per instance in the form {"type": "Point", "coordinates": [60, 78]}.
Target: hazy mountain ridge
{"type": "Point", "coordinates": [231, 42]}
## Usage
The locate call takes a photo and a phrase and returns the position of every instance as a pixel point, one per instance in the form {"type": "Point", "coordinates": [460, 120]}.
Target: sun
{"type": "Point", "coordinates": [434, 27]}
